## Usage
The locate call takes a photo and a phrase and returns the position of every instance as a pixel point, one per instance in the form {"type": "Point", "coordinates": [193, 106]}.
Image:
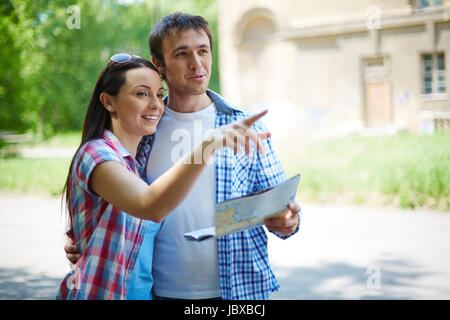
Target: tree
{"type": "Point", "coordinates": [50, 64]}
{"type": "Point", "coordinates": [13, 102]}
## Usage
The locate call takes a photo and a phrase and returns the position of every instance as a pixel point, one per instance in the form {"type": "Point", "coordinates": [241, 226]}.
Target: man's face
{"type": "Point", "coordinates": [188, 60]}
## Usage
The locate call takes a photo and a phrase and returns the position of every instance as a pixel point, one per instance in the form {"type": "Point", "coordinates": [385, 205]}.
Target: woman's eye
{"type": "Point", "coordinates": [180, 54]}
{"type": "Point", "coordinates": [142, 94]}
{"type": "Point", "coordinates": [161, 96]}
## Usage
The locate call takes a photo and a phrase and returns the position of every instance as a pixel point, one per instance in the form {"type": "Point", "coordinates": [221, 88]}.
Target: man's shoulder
{"type": "Point", "coordinates": [223, 105]}
{"type": "Point", "coordinates": [226, 107]}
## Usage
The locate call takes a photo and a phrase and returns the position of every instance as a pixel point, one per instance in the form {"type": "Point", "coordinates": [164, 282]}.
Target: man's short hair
{"type": "Point", "coordinates": [175, 23]}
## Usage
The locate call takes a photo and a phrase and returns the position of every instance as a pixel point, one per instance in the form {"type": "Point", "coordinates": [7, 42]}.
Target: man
{"type": "Point", "coordinates": [235, 266]}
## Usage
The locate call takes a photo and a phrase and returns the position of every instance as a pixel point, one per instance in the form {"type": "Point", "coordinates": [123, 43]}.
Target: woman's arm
{"type": "Point", "coordinates": [114, 183]}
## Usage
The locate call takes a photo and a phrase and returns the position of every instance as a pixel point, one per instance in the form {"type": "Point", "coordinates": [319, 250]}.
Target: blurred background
{"type": "Point", "coordinates": [357, 92]}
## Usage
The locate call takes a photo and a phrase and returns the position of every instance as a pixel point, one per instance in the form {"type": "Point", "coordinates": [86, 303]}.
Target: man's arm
{"type": "Point", "coordinates": [71, 249]}
{"type": "Point", "coordinates": [270, 173]}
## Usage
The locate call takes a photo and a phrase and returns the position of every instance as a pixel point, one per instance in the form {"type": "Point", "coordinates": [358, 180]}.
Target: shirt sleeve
{"type": "Point", "coordinates": [270, 172]}
{"type": "Point", "coordinates": [90, 156]}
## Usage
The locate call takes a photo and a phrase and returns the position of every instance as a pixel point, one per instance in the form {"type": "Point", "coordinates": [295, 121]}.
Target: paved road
{"type": "Point", "coordinates": [340, 253]}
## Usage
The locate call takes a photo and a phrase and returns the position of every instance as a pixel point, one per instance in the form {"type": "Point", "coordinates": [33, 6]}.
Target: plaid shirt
{"type": "Point", "coordinates": [244, 267]}
{"type": "Point", "coordinates": [109, 239]}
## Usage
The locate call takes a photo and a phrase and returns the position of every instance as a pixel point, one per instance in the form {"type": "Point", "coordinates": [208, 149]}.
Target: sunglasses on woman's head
{"type": "Point", "coordinates": [123, 57]}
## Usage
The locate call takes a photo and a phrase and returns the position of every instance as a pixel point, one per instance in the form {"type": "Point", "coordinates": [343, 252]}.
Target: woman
{"type": "Point", "coordinates": [105, 197]}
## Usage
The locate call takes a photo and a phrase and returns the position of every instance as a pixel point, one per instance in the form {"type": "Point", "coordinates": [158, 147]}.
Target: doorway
{"type": "Point", "coordinates": [378, 106]}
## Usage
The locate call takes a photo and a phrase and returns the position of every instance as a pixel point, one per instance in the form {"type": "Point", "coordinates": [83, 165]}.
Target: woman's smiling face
{"type": "Point", "coordinates": [138, 106]}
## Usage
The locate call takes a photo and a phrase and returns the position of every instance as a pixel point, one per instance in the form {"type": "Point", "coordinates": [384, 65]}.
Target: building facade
{"type": "Point", "coordinates": [335, 67]}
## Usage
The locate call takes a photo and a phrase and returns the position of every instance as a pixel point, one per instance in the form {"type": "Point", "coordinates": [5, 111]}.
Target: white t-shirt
{"type": "Point", "coordinates": [182, 268]}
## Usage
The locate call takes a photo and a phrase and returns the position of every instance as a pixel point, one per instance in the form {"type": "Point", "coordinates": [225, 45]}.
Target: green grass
{"type": "Point", "coordinates": [37, 176]}
{"type": "Point", "coordinates": [43, 176]}
{"type": "Point", "coordinates": [406, 170]}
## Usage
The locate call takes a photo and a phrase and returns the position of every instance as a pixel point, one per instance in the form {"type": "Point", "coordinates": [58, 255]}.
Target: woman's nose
{"type": "Point", "coordinates": [155, 102]}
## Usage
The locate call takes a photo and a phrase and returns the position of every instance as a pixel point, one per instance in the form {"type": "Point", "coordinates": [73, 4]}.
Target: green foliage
{"type": "Point", "coordinates": [12, 95]}
{"type": "Point", "coordinates": [49, 69]}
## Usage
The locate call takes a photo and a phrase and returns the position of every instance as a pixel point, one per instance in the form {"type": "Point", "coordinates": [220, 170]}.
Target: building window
{"type": "Point", "coordinates": [433, 73]}
{"type": "Point", "coordinates": [422, 4]}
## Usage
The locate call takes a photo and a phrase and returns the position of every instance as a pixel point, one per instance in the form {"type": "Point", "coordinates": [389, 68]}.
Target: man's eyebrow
{"type": "Point", "coordinates": [186, 47]}
{"type": "Point", "coordinates": [179, 48]}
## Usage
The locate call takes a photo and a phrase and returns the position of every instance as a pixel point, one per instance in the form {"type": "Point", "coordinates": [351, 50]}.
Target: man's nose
{"type": "Point", "coordinates": [194, 64]}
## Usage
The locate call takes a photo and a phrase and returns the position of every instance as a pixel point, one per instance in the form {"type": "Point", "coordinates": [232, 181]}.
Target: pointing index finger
{"type": "Point", "coordinates": [250, 121]}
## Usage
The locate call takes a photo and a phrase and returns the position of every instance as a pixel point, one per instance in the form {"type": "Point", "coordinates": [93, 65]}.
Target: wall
{"type": "Point", "coordinates": [305, 60]}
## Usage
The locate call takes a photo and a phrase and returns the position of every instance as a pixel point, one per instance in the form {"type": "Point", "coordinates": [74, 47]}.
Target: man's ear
{"type": "Point", "coordinates": [106, 100]}
{"type": "Point", "coordinates": [158, 65]}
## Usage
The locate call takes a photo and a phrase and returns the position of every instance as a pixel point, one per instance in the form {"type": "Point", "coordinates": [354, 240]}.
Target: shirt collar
{"type": "Point", "coordinates": [222, 105]}
{"type": "Point", "coordinates": [114, 143]}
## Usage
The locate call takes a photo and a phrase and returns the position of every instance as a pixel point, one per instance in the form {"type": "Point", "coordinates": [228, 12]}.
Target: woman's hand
{"type": "Point", "coordinates": [236, 136]}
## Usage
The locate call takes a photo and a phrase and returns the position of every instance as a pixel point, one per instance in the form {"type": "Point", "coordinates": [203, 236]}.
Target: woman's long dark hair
{"type": "Point", "coordinates": [97, 118]}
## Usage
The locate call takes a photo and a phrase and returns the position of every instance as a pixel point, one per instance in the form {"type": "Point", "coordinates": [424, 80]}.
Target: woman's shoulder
{"type": "Point", "coordinates": [91, 154]}
{"type": "Point", "coordinates": [97, 150]}
{"type": "Point", "coordinates": [94, 144]}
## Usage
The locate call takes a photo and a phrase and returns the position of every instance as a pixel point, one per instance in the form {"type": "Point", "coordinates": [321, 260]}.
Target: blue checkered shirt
{"type": "Point", "coordinates": [244, 268]}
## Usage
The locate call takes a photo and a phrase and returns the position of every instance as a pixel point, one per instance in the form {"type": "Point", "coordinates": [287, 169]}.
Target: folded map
{"type": "Point", "coordinates": [249, 211]}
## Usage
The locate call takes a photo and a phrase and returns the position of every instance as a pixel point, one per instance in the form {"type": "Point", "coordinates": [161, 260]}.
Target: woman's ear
{"type": "Point", "coordinates": [106, 100]}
